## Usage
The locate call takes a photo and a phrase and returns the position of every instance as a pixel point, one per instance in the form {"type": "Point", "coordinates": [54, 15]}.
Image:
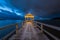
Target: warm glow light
{"type": "Point", "coordinates": [29, 15]}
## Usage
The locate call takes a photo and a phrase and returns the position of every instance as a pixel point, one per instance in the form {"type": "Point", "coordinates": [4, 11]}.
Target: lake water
{"type": "Point", "coordinates": [3, 23]}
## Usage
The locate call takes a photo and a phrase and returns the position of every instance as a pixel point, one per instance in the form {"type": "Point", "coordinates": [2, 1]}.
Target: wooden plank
{"type": "Point", "coordinates": [30, 33]}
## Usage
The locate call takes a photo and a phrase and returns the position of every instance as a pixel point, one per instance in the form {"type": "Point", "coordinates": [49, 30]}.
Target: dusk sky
{"type": "Point", "coordinates": [39, 8]}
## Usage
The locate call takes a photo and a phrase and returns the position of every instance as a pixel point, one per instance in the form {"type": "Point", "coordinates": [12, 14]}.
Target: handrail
{"type": "Point", "coordinates": [37, 25]}
{"type": "Point", "coordinates": [54, 37]}
{"type": "Point", "coordinates": [54, 27]}
{"type": "Point", "coordinates": [8, 26]}
{"type": "Point", "coordinates": [5, 37]}
{"type": "Point", "coordinates": [51, 35]}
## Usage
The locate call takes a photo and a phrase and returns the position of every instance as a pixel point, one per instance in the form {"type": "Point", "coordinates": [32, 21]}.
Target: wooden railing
{"type": "Point", "coordinates": [35, 22]}
{"type": "Point", "coordinates": [7, 27]}
{"type": "Point", "coordinates": [53, 27]}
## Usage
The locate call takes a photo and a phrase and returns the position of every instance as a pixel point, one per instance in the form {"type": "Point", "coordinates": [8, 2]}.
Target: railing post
{"type": "Point", "coordinates": [41, 28]}
{"type": "Point", "coordinates": [16, 29]}
{"type": "Point", "coordinates": [22, 23]}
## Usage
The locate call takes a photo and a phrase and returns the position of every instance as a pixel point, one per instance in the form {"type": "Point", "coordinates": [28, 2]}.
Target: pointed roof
{"type": "Point", "coordinates": [29, 15]}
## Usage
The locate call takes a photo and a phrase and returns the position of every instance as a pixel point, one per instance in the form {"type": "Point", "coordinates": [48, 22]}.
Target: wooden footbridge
{"type": "Point", "coordinates": [30, 30]}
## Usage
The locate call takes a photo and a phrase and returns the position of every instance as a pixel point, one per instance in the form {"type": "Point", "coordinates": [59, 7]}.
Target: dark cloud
{"type": "Point", "coordinates": [41, 8]}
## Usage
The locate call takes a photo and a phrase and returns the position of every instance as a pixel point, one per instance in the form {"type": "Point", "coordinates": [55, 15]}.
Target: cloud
{"type": "Point", "coordinates": [7, 7]}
